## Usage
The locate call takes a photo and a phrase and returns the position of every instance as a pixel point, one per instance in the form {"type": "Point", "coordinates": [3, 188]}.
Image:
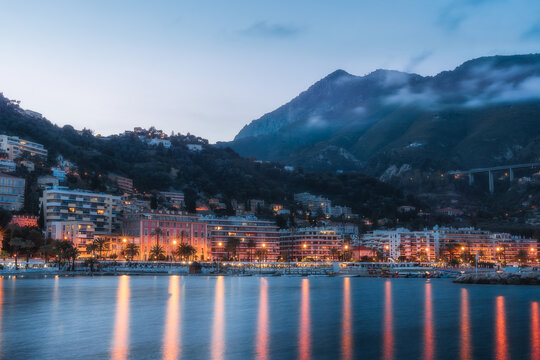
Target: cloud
{"type": "Point", "coordinates": [532, 33]}
{"type": "Point", "coordinates": [425, 97]}
{"type": "Point", "coordinates": [452, 16]}
{"type": "Point", "coordinates": [271, 30]}
{"type": "Point", "coordinates": [417, 60]}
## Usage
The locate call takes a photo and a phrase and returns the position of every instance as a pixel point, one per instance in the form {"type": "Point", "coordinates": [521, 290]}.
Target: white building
{"type": "Point", "coordinates": [11, 192]}
{"type": "Point", "coordinates": [80, 233]}
{"type": "Point", "coordinates": [15, 147]}
{"type": "Point", "coordinates": [103, 210]}
{"type": "Point", "coordinates": [7, 166]}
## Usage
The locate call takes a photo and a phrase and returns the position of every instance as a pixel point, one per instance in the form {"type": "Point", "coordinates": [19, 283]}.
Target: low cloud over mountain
{"type": "Point", "coordinates": [465, 117]}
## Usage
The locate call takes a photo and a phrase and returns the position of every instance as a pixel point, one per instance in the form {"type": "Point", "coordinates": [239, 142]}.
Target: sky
{"type": "Point", "coordinates": [211, 67]}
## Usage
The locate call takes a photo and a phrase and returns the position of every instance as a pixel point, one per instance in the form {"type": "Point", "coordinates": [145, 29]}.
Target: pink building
{"type": "Point", "coordinates": [24, 220]}
{"type": "Point", "coordinates": [176, 228]}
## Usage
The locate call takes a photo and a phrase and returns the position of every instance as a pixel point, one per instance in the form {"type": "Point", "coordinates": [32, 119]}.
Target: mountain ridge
{"type": "Point", "coordinates": [356, 123]}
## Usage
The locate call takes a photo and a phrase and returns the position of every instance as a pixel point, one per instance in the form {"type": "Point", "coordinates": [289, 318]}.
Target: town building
{"type": "Point", "coordinates": [24, 221]}
{"type": "Point", "coordinates": [11, 192]}
{"type": "Point", "coordinates": [80, 233]}
{"type": "Point", "coordinates": [7, 165]}
{"type": "Point", "coordinates": [124, 184]}
{"type": "Point", "coordinates": [47, 181]}
{"type": "Point", "coordinates": [431, 245]}
{"type": "Point", "coordinates": [103, 210]}
{"type": "Point", "coordinates": [360, 252]}
{"type": "Point", "coordinates": [175, 228]}
{"type": "Point", "coordinates": [313, 203]}
{"type": "Point", "coordinates": [59, 174]}
{"type": "Point", "coordinates": [14, 147]}
{"type": "Point", "coordinates": [265, 236]}
{"type": "Point", "coordinates": [173, 198]}
{"type": "Point", "coordinates": [194, 147]}
{"type": "Point", "coordinates": [317, 244]}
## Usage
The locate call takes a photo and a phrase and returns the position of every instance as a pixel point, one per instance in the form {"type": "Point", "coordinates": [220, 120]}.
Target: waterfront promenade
{"type": "Point", "coordinates": [38, 267]}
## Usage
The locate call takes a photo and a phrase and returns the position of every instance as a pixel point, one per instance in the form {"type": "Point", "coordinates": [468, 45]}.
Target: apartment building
{"type": "Point", "coordinates": [314, 243]}
{"type": "Point", "coordinates": [103, 210]}
{"type": "Point", "coordinates": [430, 245]}
{"type": "Point", "coordinates": [265, 235]}
{"type": "Point", "coordinates": [15, 147]}
{"type": "Point", "coordinates": [80, 233]}
{"type": "Point", "coordinates": [175, 228]}
{"type": "Point", "coordinates": [11, 192]}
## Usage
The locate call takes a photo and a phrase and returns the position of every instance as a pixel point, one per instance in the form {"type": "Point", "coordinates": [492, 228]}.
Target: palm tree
{"type": "Point", "coordinates": [232, 246]}
{"type": "Point", "coordinates": [522, 256]}
{"type": "Point", "coordinates": [261, 254]}
{"type": "Point", "coordinates": [47, 250]}
{"type": "Point", "coordinates": [66, 252]}
{"type": "Point", "coordinates": [157, 232]}
{"type": "Point", "coordinates": [91, 248]}
{"type": "Point", "coordinates": [19, 244]}
{"type": "Point", "coordinates": [157, 253]}
{"type": "Point", "coordinates": [185, 251]}
{"type": "Point", "coordinates": [335, 253]}
{"type": "Point", "coordinates": [131, 251]}
{"type": "Point", "coordinates": [100, 245]}
{"type": "Point", "coordinates": [251, 244]}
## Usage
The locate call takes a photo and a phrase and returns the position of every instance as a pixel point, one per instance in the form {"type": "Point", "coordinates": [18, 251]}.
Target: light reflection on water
{"type": "Point", "coordinates": [501, 346]}
{"type": "Point", "coordinates": [172, 337]}
{"type": "Point", "coordinates": [429, 343]}
{"type": "Point", "coordinates": [120, 344]}
{"type": "Point", "coordinates": [218, 329]}
{"type": "Point", "coordinates": [347, 322]}
{"type": "Point", "coordinates": [465, 324]}
{"type": "Point", "coordinates": [388, 323]}
{"type": "Point", "coordinates": [304, 331]}
{"type": "Point", "coordinates": [535, 331]}
{"type": "Point", "coordinates": [262, 322]}
{"type": "Point", "coordinates": [207, 317]}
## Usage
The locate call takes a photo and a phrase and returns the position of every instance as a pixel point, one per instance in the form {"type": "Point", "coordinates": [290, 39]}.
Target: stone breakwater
{"type": "Point", "coordinates": [524, 278]}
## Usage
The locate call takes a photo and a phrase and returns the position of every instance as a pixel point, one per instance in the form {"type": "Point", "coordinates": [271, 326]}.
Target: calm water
{"type": "Point", "coordinates": [265, 318]}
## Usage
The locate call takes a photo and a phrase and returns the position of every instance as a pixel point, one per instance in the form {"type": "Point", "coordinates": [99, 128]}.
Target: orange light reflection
{"type": "Point", "coordinates": [501, 345]}
{"type": "Point", "coordinates": [429, 344]}
{"type": "Point", "coordinates": [388, 323]}
{"type": "Point", "coordinates": [218, 340]}
{"type": "Point", "coordinates": [172, 338]}
{"type": "Point", "coordinates": [304, 340]}
{"type": "Point", "coordinates": [465, 323]}
{"type": "Point", "coordinates": [346, 322]}
{"type": "Point", "coordinates": [262, 322]}
{"type": "Point", "coordinates": [120, 345]}
{"type": "Point", "coordinates": [535, 331]}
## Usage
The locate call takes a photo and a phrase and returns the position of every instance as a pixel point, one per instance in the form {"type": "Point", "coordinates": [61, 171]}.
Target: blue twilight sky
{"type": "Point", "coordinates": [210, 67]}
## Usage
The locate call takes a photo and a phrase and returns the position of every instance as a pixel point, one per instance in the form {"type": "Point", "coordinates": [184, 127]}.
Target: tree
{"type": "Point", "coordinates": [232, 246]}
{"type": "Point", "coordinates": [185, 251]}
{"type": "Point", "coordinates": [66, 252]}
{"type": "Point", "coordinates": [261, 254]}
{"type": "Point", "coordinates": [157, 232]}
{"type": "Point", "coordinates": [157, 253]}
{"type": "Point", "coordinates": [521, 256]}
{"type": "Point", "coordinates": [92, 248]}
{"type": "Point", "coordinates": [100, 244]}
{"type": "Point", "coordinates": [19, 244]}
{"type": "Point", "coordinates": [251, 244]}
{"type": "Point", "coordinates": [47, 250]}
{"type": "Point", "coordinates": [334, 253]}
{"type": "Point", "coordinates": [130, 251]}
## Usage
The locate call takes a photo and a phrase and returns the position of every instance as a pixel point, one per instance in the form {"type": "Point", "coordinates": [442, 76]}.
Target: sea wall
{"type": "Point", "coordinates": [523, 278]}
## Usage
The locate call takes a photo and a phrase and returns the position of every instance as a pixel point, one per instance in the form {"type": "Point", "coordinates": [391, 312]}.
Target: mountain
{"type": "Point", "coordinates": [484, 112]}
{"type": "Point", "coordinates": [201, 174]}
